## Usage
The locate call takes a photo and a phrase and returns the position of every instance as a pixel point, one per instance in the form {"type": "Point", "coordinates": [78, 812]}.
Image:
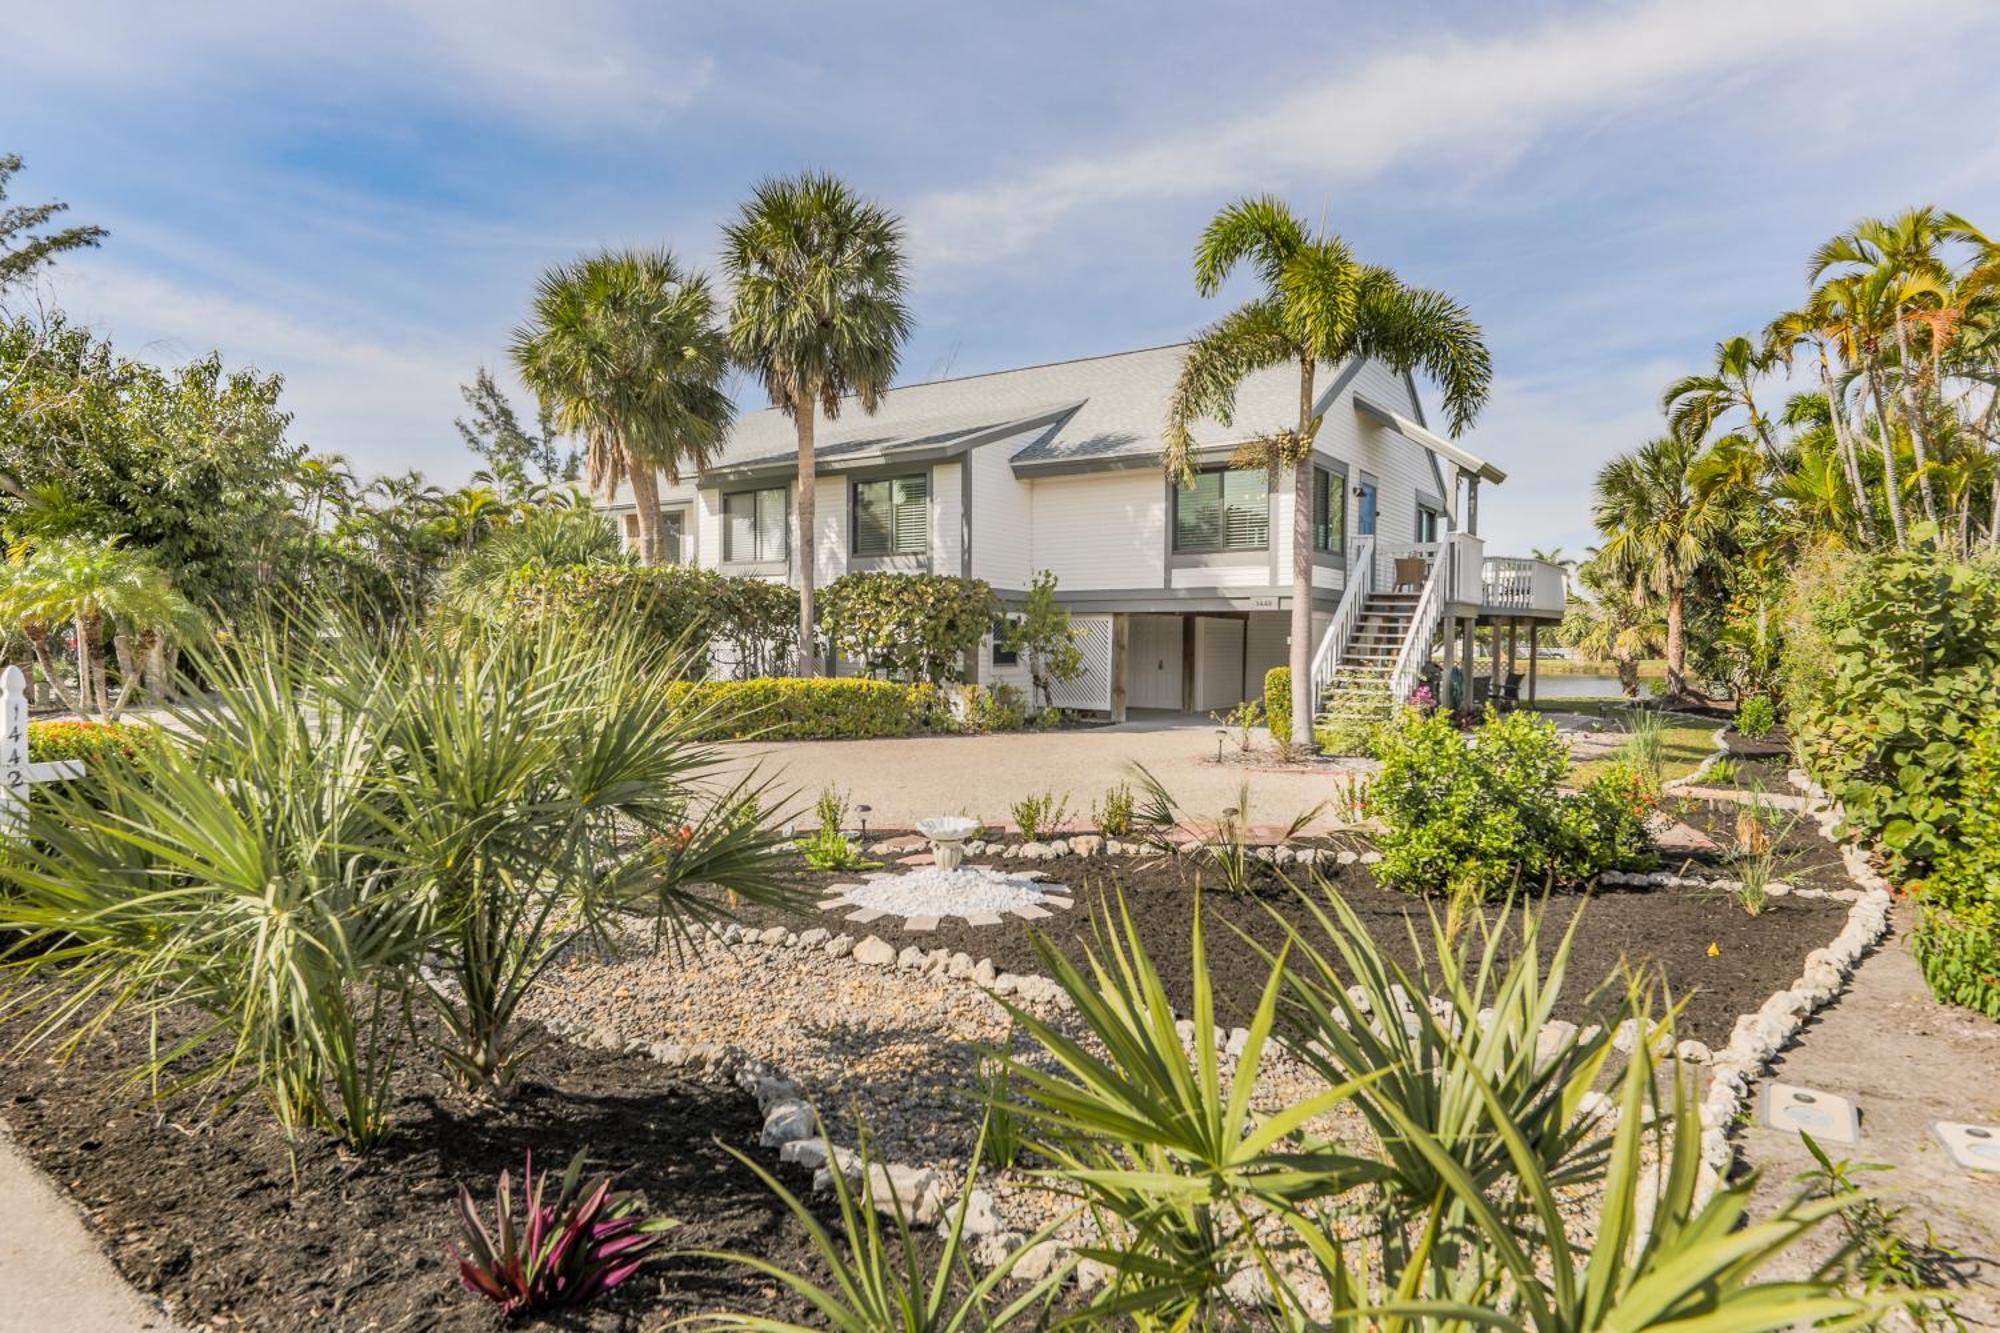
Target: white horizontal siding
{"type": "Point", "coordinates": [1222, 576]}
{"type": "Point", "coordinates": [1098, 531]}
{"type": "Point", "coordinates": [1401, 467]}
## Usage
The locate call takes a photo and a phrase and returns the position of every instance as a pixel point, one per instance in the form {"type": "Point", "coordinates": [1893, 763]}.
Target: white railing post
{"type": "Point", "coordinates": [1340, 630]}
{"type": "Point", "coordinates": [1422, 635]}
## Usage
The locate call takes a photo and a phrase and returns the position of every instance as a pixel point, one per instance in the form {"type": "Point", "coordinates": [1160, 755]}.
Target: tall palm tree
{"type": "Point", "coordinates": [819, 317]}
{"type": "Point", "coordinates": [1855, 312]}
{"type": "Point", "coordinates": [1319, 306]}
{"type": "Point", "coordinates": [1810, 324]}
{"type": "Point", "coordinates": [1661, 527]}
{"type": "Point", "coordinates": [623, 350]}
{"type": "Point", "coordinates": [1694, 403]}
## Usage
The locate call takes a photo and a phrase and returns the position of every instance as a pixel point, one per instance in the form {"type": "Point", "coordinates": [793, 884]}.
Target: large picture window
{"type": "Point", "coordinates": [1223, 511]}
{"type": "Point", "coordinates": [1329, 511]}
{"type": "Point", "coordinates": [755, 525]}
{"type": "Point", "coordinates": [892, 516]}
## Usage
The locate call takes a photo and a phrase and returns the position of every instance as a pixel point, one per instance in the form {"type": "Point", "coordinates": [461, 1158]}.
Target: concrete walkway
{"type": "Point", "coordinates": [1905, 1060]}
{"type": "Point", "coordinates": [908, 778]}
{"type": "Point", "coordinates": [53, 1276]}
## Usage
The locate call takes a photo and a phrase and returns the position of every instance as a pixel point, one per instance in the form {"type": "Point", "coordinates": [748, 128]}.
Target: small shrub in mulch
{"type": "Point", "coordinates": [199, 1206]}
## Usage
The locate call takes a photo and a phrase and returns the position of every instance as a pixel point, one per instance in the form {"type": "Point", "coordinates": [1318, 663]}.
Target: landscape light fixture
{"type": "Point", "coordinates": [1220, 737]}
{"type": "Point", "coordinates": [863, 810]}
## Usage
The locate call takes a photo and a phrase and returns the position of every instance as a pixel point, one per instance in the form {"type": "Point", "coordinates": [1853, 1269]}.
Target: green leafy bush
{"type": "Point", "coordinates": [1892, 666]}
{"type": "Point", "coordinates": [1000, 707]}
{"type": "Point", "coordinates": [827, 848]}
{"type": "Point", "coordinates": [788, 708]}
{"type": "Point", "coordinates": [1278, 702]}
{"type": "Point", "coordinates": [1348, 738]}
{"type": "Point", "coordinates": [1957, 939]}
{"type": "Point", "coordinates": [1041, 815]}
{"type": "Point", "coordinates": [1113, 816]}
{"type": "Point", "coordinates": [915, 627]}
{"type": "Point", "coordinates": [1477, 819]}
{"type": "Point", "coordinates": [1756, 717]}
{"type": "Point", "coordinates": [679, 609]}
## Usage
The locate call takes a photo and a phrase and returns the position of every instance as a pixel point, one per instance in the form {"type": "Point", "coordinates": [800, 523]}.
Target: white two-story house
{"type": "Point", "coordinates": [1183, 593]}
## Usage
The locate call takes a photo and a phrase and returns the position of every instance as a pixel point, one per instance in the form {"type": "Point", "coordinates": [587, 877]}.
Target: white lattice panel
{"type": "Point", "coordinates": [1091, 691]}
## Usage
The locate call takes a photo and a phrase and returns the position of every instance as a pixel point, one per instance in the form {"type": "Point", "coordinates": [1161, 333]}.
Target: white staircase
{"type": "Point", "coordinates": [1374, 651]}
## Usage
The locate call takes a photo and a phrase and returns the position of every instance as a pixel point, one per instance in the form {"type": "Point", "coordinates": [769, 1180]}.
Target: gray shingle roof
{"type": "Point", "coordinates": [1104, 411]}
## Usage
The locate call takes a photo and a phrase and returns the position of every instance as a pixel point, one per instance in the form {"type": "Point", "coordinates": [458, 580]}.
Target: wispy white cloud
{"type": "Point", "coordinates": [382, 394]}
{"type": "Point", "coordinates": [1462, 100]}
{"type": "Point", "coordinates": [580, 64]}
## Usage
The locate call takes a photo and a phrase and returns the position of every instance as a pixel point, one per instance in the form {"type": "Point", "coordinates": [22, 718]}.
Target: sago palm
{"type": "Point", "coordinates": [1661, 527]}
{"type": "Point", "coordinates": [623, 350]}
{"type": "Point", "coordinates": [818, 317]}
{"type": "Point", "coordinates": [1319, 306]}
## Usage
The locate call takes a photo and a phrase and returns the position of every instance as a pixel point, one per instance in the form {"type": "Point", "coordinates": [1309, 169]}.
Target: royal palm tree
{"type": "Point", "coordinates": [623, 350]}
{"type": "Point", "coordinates": [1319, 307]}
{"type": "Point", "coordinates": [1661, 528]}
{"type": "Point", "coordinates": [1694, 403]}
{"type": "Point", "coordinates": [1854, 312]}
{"type": "Point", "coordinates": [819, 317]}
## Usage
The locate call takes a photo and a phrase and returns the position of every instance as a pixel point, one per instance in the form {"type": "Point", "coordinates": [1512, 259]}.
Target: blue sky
{"type": "Point", "coordinates": [360, 196]}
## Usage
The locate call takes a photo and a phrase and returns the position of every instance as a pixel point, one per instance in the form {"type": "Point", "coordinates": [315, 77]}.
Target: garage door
{"type": "Point", "coordinates": [1153, 663]}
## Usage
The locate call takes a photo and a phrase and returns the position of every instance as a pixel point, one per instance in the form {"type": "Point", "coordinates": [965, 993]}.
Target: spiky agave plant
{"type": "Point", "coordinates": [556, 1252]}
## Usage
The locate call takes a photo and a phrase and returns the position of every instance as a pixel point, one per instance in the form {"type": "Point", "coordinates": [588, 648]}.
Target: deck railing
{"type": "Point", "coordinates": [1340, 630]}
{"type": "Point", "coordinates": [1511, 583]}
{"type": "Point", "coordinates": [1423, 633]}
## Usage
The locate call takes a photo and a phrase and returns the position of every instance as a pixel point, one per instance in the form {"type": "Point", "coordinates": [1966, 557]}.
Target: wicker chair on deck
{"type": "Point", "coordinates": [1411, 571]}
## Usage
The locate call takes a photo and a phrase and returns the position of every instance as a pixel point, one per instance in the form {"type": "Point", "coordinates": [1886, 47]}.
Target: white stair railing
{"type": "Point", "coordinates": [1421, 637]}
{"type": "Point", "coordinates": [1332, 650]}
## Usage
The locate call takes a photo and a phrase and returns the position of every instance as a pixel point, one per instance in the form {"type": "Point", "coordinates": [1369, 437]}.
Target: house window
{"type": "Point", "coordinates": [1002, 655]}
{"type": "Point", "coordinates": [1329, 511]}
{"type": "Point", "coordinates": [1429, 523]}
{"type": "Point", "coordinates": [1223, 511]}
{"type": "Point", "coordinates": [754, 525]}
{"type": "Point", "coordinates": [673, 535]}
{"type": "Point", "coordinates": [892, 516]}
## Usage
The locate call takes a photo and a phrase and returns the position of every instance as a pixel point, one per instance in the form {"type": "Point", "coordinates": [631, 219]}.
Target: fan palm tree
{"type": "Point", "coordinates": [819, 317]}
{"type": "Point", "coordinates": [1661, 527]}
{"type": "Point", "coordinates": [97, 586]}
{"type": "Point", "coordinates": [1319, 306]}
{"type": "Point", "coordinates": [623, 350]}
{"type": "Point", "coordinates": [1694, 403]}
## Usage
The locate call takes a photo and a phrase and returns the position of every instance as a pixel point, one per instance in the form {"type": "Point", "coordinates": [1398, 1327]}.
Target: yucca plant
{"type": "Point", "coordinates": [882, 1280]}
{"type": "Point", "coordinates": [556, 1252]}
{"type": "Point", "coordinates": [1143, 1129]}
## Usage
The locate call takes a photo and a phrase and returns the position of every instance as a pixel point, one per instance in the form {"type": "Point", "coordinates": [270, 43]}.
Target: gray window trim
{"type": "Point", "coordinates": [1176, 554]}
{"type": "Point", "coordinates": [780, 564]}
{"type": "Point", "coordinates": [1427, 501]}
{"type": "Point", "coordinates": [1336, 558]}
{"type": "Point", "coordinates": [889, 559]}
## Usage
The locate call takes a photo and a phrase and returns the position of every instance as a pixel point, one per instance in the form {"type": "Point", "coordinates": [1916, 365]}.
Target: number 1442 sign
{"type": "Point", "coordinates": [17, 775]}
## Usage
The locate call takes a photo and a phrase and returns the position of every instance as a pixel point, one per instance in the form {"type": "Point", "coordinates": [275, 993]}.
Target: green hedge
{"type": "Point", "coordinates": [1892, 668]}
{"type": "Point", "coordinates": [1957, 940]}
{"type": "Point", "coordinates": [49, 742]}
{"type": "Point", "coordinates": [825, 708]}
{"type": "Point", "coordinates": [1278, 702]}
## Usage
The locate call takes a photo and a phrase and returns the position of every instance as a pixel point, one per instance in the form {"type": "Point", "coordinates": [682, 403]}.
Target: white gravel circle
{"type": "Point", "coordinates": [928, 891]}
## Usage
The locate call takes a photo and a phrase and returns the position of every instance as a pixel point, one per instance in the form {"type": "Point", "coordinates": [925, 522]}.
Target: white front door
{"type": "Point", "coordinates": [1153, 663]}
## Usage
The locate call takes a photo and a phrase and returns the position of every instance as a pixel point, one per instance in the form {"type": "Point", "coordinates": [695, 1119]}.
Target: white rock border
{"type": "Point", "coordinates": [1758, 1038]}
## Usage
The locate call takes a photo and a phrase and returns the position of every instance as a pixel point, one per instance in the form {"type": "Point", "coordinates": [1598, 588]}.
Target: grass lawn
{"type": "Point", "coordinates": [1688, 740]}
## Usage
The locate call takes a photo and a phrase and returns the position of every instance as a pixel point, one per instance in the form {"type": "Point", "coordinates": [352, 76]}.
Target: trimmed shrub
{"type": "Point", "coordinates": [1957, 939]}
{"type": "Point", "coordinates": [1278, 702]}
{"type": "Point", "coordinates": [49, 742]}
{"type": "Point", "coordinates": [1756, 717]}
{"type": "Point", "coordinates": [821, 708]}
{"type": "Point", "coordinates": [1478, 819]}
{"type": "Point", "coordinates": [915, 627]}
{"type": "Point", "coordinates": [1001, 708]}
{"type": "Point", "coordinates": [1349, 738]}
{"type": "Point", "coordinates": [1892, 666]}
{"type": "Point", "coordinates": [671, 606]}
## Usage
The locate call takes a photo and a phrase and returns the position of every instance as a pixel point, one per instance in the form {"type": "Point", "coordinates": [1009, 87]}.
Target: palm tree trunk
{"type": "Point", "coordinates": [1911, 409]}
{"type": "Point", "coordinates": [129, 672]}
{"type": "Point", "coordinates": [90, 670]}
{"type": "Point", "coordinates": [1889, 482]}
{"type": "Point", "coordinates": [38, 641]}
{"type": "Point", "coordinates": [1676, 641]}
{"type": "Point", "coordinates": [646, 497]}
{"type": "Point", "coordinates": [1850, 458]}
{"type": "Point", "coordinates": [804, 409]}
{"type": "Point", "coordinates": [1304, 706]}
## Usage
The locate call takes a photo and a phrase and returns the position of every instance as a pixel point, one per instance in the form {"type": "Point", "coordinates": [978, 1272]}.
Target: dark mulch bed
{"type": "Point", "coordinates": [1803, 857]}
{"type": "Point", "coordinates": [1775, 744]}
{"type": "Point", "coordinates": [1664, 932]}
{"type": "Point", "coordinates": [200, 1209]}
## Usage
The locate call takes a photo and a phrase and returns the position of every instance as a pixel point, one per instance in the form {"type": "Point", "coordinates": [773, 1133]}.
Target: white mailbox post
{"type": "Point", "coordinates": [17, 775]}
